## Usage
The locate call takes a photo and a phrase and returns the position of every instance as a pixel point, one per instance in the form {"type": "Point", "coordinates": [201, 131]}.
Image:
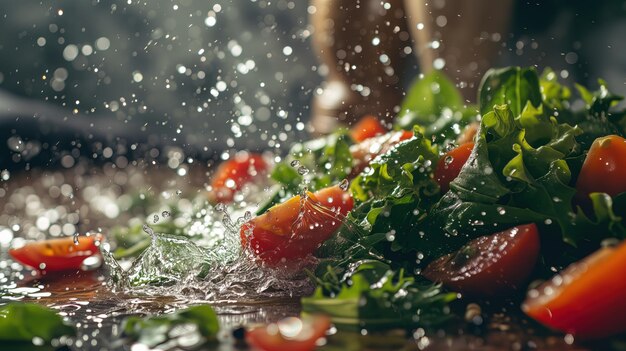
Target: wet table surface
{"type": "Point", "coordinates": [79, 199]}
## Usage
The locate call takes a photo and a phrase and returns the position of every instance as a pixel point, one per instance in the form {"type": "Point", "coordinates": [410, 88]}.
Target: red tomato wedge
{"type": "Point", "coordinates": [604, 169]}
{"type": "Point", "coordinates": [489, 265]}
{"type": "Point", "coordinates": [296, 228]}
{"type": "Point", "coordinates": [586, 299]}
{"type": "Point", "coordinates": [450, 164]}
{"type": "Point", "coordinates": [57, 254]}
{"type": "Point", "coordinates": [366, 151]}
{"type": "Point", "coordinates": [367, 127]}
{"type": "Point", "coordinates": [289, 334]}
{"type": "Point", "coordinates": [232, 175]}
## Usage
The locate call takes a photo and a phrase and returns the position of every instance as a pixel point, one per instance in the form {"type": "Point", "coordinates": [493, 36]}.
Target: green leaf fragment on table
{"type": "Point", "coordinates": [155, 330]}
{"type": "Point", "coordinates": [371, 296]}
{"type": "Point", "coordinates": [22, 322]}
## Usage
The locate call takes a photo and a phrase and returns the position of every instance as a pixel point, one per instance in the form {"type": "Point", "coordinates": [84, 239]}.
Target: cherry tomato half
{"type": "Point", "coordinates": [366, 151]}
{"type": "Point", "coordinates": [57, 254]}
{"type": "Point", "coordinates": [289, 334]}
{"type": "Point", "coordinates": [489, 265]}
{"type": "Point", "coordinates": [233, 174]}
{"type": "Point", "coordinates": [587, 298]}
{"type": "Point", "coordinates": [604, 169]}
{"type": "Point", "coordinates": [296, 228]}
{"type": "Point", "coordinates": [450, 164]}
{"type": "Point", "coordinates": [367, 127]}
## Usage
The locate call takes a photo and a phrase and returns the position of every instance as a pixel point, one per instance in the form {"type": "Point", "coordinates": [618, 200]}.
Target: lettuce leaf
{"type": "Point", "coordinates": [372, 296]}
{"type": "Point", "coordinates": [20, 323]}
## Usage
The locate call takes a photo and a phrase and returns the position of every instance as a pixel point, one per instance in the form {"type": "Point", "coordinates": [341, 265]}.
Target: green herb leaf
{"type": "Point", "coordinates": [512, 86]}
{"type": "Point", "coordinates": [21, 322]}
{"type": "Point", "coordinates": [155, 330]}
{"type": "Point", "coordinates": [371, 296]}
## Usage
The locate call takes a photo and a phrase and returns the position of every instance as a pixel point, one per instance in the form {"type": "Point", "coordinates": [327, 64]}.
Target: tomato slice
{"type": "Point", "coordinates": [57, 254]}
{"type": "Point", "coordinates": [367, 150]}
{"type": "Point", "coordinates": [586, 299]}
{"type": "Point", "coordinates": [604, 169]}
{"type": "Point", "coordinates": [450, 164]}
{"type": "Point", "coordinates": [489, 265]}
{"type": "Point", "coordinates": [289, 334]}
{"type": "Point", "coordinates": [296, 228]}
{"type": "Point", "coordinates": [367, 127]}
{"type": "Point", "coordinates": [232, 175]}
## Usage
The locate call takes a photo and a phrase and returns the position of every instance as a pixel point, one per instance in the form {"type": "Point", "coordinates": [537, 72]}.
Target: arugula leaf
{"type": "Point", "coordinates": [372, 296]}
{"type": "Point", "coordinates": [435, 105]}
{"type": "Point", "coordinates": [156, 330]}
{"type": "Point", "coordinates": [22, 322]}
{"type": "Point", "coordinates": [512, 86]}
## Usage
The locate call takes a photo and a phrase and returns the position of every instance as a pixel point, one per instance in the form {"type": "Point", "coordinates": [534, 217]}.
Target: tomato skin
{"type": "Point", "coordinates": [368, 149]}
{"type": "Point", "coordinates": [604, 169]}
{"type": "Point", "coordinates": [490, 265]}
{"type": "Point", "coordinates": [285, 232]}
{"type": "Point", "coordinates": [233, 174]}
{"type": "Point", "coordinates": [367, 127]}
{"type": "Point", "coordinates": [450, 164]}
{"type": "Point", "coordinates": [57, 254]}
{"type": "Point", "coordinates": [270, 338]}
{"type": "Point", "coordinates": [586, 299]}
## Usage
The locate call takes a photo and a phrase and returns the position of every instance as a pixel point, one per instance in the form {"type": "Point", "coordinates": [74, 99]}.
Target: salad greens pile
{"type": "Point", "coordinates": [533, 136]}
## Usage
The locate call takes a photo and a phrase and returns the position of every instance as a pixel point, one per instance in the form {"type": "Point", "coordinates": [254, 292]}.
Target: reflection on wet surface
{"type": "Point", "coordinates": [58, 203]}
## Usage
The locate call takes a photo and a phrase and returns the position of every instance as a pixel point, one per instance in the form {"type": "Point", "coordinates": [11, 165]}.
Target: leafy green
{"type": "Point", "coordinates": [372, 296]}
{"type": "Point", "coordinates": [391, 199]}
{"type": "Point", "coordinates": [435, 105]}
{"type": "Point", "coordinates": [22, 322]}
{"type": "Point", "coordinates": [156, 330]}
{"type": "Point", "coordinates": [519, 173]}
{"type": "Point", "coordinates": [512, 86]}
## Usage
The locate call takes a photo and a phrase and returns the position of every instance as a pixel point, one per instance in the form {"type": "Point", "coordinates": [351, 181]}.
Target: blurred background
{"type": "Point", "coordinates": [213, 75]}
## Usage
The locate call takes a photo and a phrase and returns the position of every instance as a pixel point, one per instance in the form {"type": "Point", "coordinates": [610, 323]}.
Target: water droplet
{"type": "Point", "coordinates": [155, 218]}
{"type": "Point", "coordinates": [76, 239]}
{"type": "Point", "coordinates": [148, 230]}
{"type": "Point", "coordinates": [448, 160]}
{"type": "Point", "coordinates": [302, 170]}
{"type": "Point", "coordinates": [344, 184]}
{"type": "Point", "coordinates": [247, 216]}
{"type": "Point", "coordinates": [165, 214]}
{"type": "Point", "coordinates": [501, 211]}
{"type": "Point", "coordinates": [179, 192]}
{"type": "Point", "coordinates": [220, 207]}
{"type": "Point", "coordinates": [295, 163]}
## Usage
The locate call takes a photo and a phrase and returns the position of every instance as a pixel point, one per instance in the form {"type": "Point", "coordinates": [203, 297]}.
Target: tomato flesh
{"type": "Point", "coordinates": [296, 228]}
{"type": "Point", "coordinates": [450, 164]}
{"type": "Point", "coordinates": [586, 299]}
{"type": "Point", "coordinates": [57, 254]}
{"type": "Point", "coordinates": [289, 334]}
{"type": "Point", "coordinates": [367, 127]}
{"type": "Point", "coordinates": [604, 169]}
{"type": "Point", "coordinates": [367, 150]}
{"type": "Point", "coordinates": [232, 175]}
{"type": "Point", "coordinates": [489, 265]}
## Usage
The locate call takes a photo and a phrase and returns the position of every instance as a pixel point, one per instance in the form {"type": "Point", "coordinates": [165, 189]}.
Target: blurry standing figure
{"type": "Point", "coordinates": [363, 43]}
